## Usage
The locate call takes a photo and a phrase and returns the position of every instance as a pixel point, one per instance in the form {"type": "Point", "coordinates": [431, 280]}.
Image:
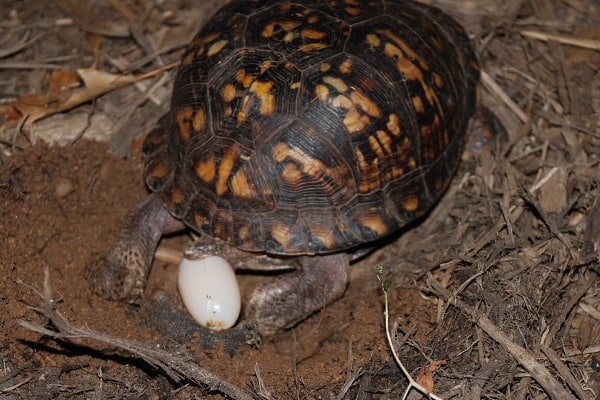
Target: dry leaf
{"type": "Point", "coordinates": [61, 79]}
{"type": "Point", "coordinates": [95, 84]}
{"type": "Point", "coordinates": [425, 378]}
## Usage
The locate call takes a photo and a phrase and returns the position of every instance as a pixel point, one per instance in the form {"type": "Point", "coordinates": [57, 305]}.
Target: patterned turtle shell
{"type": "Point", "coordinates": [309, 127]}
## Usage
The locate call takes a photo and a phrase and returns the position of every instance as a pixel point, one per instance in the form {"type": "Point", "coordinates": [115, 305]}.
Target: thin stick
{"type": "Point", "coordinates": [411, 382]}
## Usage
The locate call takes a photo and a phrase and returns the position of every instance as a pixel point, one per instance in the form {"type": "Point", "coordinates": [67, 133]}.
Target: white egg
{"type": "Point", "coordinates": [210, 292]}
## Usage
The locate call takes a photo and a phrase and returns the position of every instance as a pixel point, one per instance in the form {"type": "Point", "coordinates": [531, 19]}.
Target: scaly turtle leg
{"type": "Point", "coordinates": [293, 296]}
{"type": "Point", "coordinates": [124, 271]}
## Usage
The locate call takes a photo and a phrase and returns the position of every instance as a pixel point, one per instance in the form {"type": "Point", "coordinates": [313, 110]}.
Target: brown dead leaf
{"type": "Point", "coordinates": [61, 79]}
{"type": "Point", "coordinates": [95, 40]}
{"type": "Point", "coordinates": [425, 378]}
{"type": "Point", "coordinates": [95, 84]}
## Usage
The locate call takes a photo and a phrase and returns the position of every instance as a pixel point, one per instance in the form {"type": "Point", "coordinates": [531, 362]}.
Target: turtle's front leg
{"type": "Point", "coordinates": [292, 297]}
{"type": "Point", "coordinates": [124, 271]}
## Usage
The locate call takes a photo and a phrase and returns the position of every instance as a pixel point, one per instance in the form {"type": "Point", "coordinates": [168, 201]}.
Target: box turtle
{"type": "Point", "coordinates": [300, 132]}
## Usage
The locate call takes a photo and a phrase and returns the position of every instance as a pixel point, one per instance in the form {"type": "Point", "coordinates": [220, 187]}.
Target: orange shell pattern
{"type": "Point", "coordinates": [309, 127]}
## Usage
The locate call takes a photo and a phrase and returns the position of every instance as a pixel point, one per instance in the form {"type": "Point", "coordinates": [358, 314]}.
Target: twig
{"type": "Point", "coordinates": [262, 390]}
{"type": "Point", "coordinates": [564, 372]}
{"type": "Point", "coordinates": [176, 366]}
{"type": "Point", "coordinates": [554, 389]}
{"type": "Point", "coordinates": [573, 41]}
{"type": "Point", "coordinates": [411, 382]}
{"type": "Point", "coordinates": [352, 375]}
{"type": "Point", "coordinates": [487, 80]}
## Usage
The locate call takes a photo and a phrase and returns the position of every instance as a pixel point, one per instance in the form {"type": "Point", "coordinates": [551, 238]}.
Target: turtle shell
{"type": "Point", "coordinates": [310, 127]}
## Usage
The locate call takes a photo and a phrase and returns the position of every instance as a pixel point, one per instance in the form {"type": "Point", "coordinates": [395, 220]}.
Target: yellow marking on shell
{"type": "Point", "coordinates": [438, 80]}
{"type": "Point", "coordinates": [244, 78]}
{"type": "Point", "coordinates": [208, 38]}
{"type": "Point", "coordinates": [313, 19]}
{"type": "Point", "coordinates": [265, 66]}
{"type": "Point", "coordinates": [313, 34]}
{"type": "Point", "coordinates": [206, 169]}
{"type": "Point", "coordinates": [412, 163]}
{"type": "Point", "coordinates": [418, 105]}
{"type": "Point", "coordinates": [269, 28]}
{"type": "Point", "coordinates": [354, 121]}
{"type": "Point", "coordinates": [405, 58]}
{"type": "Point", "coordinates": [393, 173]}
{"type": "Point", "coordinates": [373, 40]}
{"type": "Point", "coordinates": [228, 93]}
{"type": "Point", "coordinates": [281, 233]}
{"type": "Point", "coordinates": [177, 195]}
{"type": "Point", "coordinates": [385, 140]}
{"type": "Point", "coordinates": [199, 218]}
{"type": "Point", "coordinates": [353, 11]}
{"type": "Point", "coordinates": [393, 124]}
{"type": "Point", "coordinates": [325, 235]}
{"type": "Point", "coordinates": [240, 187]}
{"type": "Point", "coordinates": [331, 178]}
{"type": "Point", "coordinates": [201, 44]}
{"type": "Point", "coordinates": [346, 66]}
{"type": "Point", "coordinates": [216, 47]}
{"type": "Point", "coordinates": [337, 83]}
{"type": "Point", "coordinates": [322, 92]}
{"type": "Point", "coordinates": [307, 48]}
{"type": "Point", "coordinates": [267, 99]}
{"type": "Point", "coordinates": [230, 155]}
{"type": "Point", "coordinates": [159, 170]}
{"type": "Point", "coordinates": [325, 67]}
{"type": "Point", "coordinates": [243, 112]}
{"type": "Point", "coordinates": [291, 174]}
{"type": "Point", "coordinates": [368, 105]}
{"type": "Point", "coordinates": [376, 147]}
{"type": "Point", "coordinates": [405, 47]}
{"type": "Point", "coordinates": [374, 223]}
{"type": "Point", "coordinates": [183, 122]}
{"type": "Point", "coordinates": [243, 232]}
{"type": "Point", "coordinates": [295, 85]}
{"type": "Point", "coordinates": [289, 37]}
{"type": "Point", "coordinates": [410, 203]}
{"type": "Point", "coordinates": [199, 120]}
{"type": "Point", "coordinates": [403, 63]}
{"type": "Point", "coordinates": [369, 173]}
{"type": "Point", "coordinates": [344, 102]}
{"type": "Point", "coordinates": [350, 100]}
